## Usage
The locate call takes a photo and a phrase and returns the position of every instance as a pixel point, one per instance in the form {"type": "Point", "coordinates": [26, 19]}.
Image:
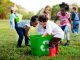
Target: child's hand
{"type": "Point", "coordinates": [42, 35]}
{"type": "Point", "coordinates": [24, 27]}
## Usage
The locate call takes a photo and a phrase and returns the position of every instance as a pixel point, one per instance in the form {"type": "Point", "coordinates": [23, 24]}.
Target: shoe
{"type": "Point", "coordinates": [61, 43]}
{"type": "Point", "coordinates": [66, 44]}
{"type": "Point", "coordinates": [52, 52]}
{"type": "Point", "coordinates": [75, 34]}
{"type": "Point", "coordinates": [28, 45]}
{"type": "Point", "coordinates": [18, 46]}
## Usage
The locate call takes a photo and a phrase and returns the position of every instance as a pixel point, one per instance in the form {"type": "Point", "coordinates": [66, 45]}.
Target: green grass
{"type": "Point", "coordinates": [8, 50]}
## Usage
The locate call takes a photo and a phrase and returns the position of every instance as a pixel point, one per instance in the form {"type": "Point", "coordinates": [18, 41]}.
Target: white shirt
{"type": "Point", "coordinates": [52, 29]}
{"type": "Point", "coordinates": [40, 29]}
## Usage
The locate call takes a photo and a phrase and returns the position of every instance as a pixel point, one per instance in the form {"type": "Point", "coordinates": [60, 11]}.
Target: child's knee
{"type": "Point", "coordinates": [52, 43]}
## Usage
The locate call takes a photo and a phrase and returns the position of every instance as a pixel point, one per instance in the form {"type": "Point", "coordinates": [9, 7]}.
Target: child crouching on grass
{"type": "Point", "coordinates": [51, 29]}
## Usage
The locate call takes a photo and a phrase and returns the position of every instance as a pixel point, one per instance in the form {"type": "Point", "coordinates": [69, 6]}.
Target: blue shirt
{"type": "Point", "coordinates": [76, 16]}
{"type": "Point", "coordinates": [12, 17]}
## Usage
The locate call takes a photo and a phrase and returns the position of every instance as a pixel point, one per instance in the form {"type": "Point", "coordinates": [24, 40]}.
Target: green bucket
{"type": "Point", "coordinates": [40, 45]}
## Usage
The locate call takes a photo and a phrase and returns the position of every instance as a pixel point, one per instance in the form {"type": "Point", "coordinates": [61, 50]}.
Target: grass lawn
{"type": "Point", "coordinates": [8, 50]}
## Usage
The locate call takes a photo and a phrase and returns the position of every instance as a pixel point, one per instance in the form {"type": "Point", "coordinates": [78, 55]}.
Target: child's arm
{"type": "Point", "coordinates": [26, 30]}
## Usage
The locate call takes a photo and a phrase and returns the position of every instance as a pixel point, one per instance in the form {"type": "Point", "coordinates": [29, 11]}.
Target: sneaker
{"type": "Point", "coordinates": [75, 34]}
{"type": "Point", "coordinates": [61, 43]}
{"type": "Point", "coordinates": [66, 44]}
{"type": "Point", "coordinates": [18, 46]}
{"type": "Point", "coordinates": [28, 45]}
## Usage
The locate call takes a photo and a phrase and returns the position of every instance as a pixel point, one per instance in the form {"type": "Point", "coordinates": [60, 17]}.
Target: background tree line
{"type": "Point", "coordinates": [5, 10]}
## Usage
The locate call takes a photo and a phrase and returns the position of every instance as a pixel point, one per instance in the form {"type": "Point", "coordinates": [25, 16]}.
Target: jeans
{"type": "Point", "coordinates": [66, 30]}
{"type": "Point", "coordinates": [12, 25]}
{"type": "Point", "coordinates": [21, 34]}
{"type": "Point", "coordinates": [75, 26]}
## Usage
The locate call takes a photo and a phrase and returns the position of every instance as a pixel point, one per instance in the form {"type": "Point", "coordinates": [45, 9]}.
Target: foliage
{"type": "Point", "coordinates": [5, 10]}
{"type": "Point", "coordinates": [26, 14]}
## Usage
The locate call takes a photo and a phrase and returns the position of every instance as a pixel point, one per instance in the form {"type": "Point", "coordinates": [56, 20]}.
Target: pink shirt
{"type": "Point", "coordinates": [64, 19]}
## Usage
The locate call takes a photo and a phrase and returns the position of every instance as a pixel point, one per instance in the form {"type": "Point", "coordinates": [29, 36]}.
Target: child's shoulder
{"type": "Point", "coordinates": [59, 13]}
{"type": "Point", "coordinates": [49, 22]}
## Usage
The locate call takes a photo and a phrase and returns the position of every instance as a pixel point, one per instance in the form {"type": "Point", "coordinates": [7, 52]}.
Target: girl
{"type": "Point", "coordinates": [47, 12]}
{"type": "Point", "coordinates": [12, 18]}
{"type": "Point", "coordinates": [64, 18]}
{"type": "Point", "coordinates": [54, 30]}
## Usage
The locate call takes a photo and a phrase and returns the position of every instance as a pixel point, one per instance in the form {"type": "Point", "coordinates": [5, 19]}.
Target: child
{"type": "Point", "coordinates": [12, 17]}
{"type": "Point", "coordinates": [47, 12]}
{"type": "Point", "coordinates": [22, 29]}
{"type": "Point", "coordinates": [75, 19]}
{"type": "Point", "coordinates": [64, 18]}
{"type": "Point", "coordinates": [54, 30]}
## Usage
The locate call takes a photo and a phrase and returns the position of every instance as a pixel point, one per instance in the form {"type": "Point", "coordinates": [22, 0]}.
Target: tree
{"type": "Point", "coordinates": [55, 9]}
{"type": "Point", "coordinates": [25, 13]}
{"type": "Point", "coordinates": [5, 8]}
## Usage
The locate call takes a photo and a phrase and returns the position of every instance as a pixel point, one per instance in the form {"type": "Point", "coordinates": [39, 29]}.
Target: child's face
{"type": "Point", "coordinates": [43, 24]}
{"type": "Point", "coordinates": [63, 12]}
{"type": "Point", "coordinates": [47, 10]}
{"type": "Point", "coordinates": [34, 24]}
{"type": "Point", "coordinates": [73, 10]}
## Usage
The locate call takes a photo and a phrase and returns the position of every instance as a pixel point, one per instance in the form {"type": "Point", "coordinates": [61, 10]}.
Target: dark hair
{"type": "Point", "coordinates": [33, 18]}
{"type": "Point", "coordinates": [42, 18]}
{"type": "Point", "coordinates": [74, 8]}
{"type": "Point", "coordinates": [12, 11]}
{"type": "Point", "coordinates": [64, 5]}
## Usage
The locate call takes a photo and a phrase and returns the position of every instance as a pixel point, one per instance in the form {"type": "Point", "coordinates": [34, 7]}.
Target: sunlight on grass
{"type": "Point", "coordinates": [8, 50]}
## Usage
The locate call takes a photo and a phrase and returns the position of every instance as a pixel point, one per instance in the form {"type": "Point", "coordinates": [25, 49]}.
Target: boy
{"type": "Point", "coordinates": [22, 29]}
{"type": "Point", "coordinates": [75, 19]}
{"type": "Point", "coordinates": [51, 29]}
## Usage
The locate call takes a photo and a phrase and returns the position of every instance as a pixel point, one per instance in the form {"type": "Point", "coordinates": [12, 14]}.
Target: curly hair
{"type": "Point", "coordinates": [64, 5]}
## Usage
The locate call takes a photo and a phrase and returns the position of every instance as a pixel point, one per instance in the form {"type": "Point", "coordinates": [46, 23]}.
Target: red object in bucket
{"type": "Point", "coordinates": [52, 52]}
